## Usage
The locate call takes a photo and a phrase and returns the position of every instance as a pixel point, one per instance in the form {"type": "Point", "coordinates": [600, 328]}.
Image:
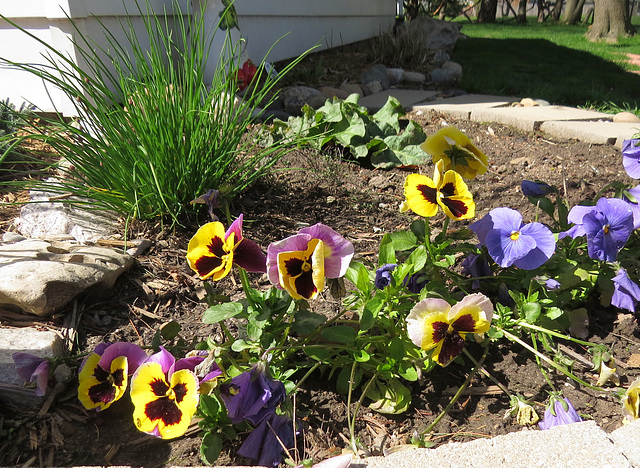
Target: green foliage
{"type": "Point", "coordinates": [540, 60]}
{"type": "Point", "coordinates": [11, 119]}
{"type": "Point", "coordinates": [378, 136]}
{"type": "Point", "coordinates": [154, 134]}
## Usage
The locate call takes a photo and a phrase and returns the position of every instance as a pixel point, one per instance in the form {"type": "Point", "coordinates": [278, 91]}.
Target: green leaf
{"type": "Point", "coordinates": [370, 312]}
{"type": "Point", "coordinates": [387, 117]}
{"type": "Point", "coordinates": [531, 311]}
{"type": "Point", "coordinates": [210, 447]}
{"type": "Point", "coordinates": [220, 312]}
{"type": "Point", "coordinates": [389, 397]}
{"type": "Point", "coordinates": [340, 334]}
{"type": "Point", "coordinates": [361, 355]}
{"type": "Point", "coordinates": [317, 353]}
{"type": "Point", "coordinates": [307, 322]}
{"type": "Point", "coordinates": [342, 383]}
{"type": "Point", "coordinates": [169, 330]}
{"type": "Point", "coordinates": [210, 407]}
{"type": "Point", "coordinates": [419, 229]}
{"type": "Point", "coordinates": [396, 349]}
{"type": "Point", "coordinates": [554, 313]}
{"type": "Point", "coordinates": [387, 252]}
{"type": "Point", "coordinates": [408, 371]}
{"type": "Point", "coordinates": [418, 258]}
{"type": "Point", "coordinates": [241, 345]}
{"type": "Point", "coordinates": [403, 240]}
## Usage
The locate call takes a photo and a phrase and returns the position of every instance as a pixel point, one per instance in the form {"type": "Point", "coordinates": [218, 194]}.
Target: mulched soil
{"type": "Point", "coordinates": [362, 204]}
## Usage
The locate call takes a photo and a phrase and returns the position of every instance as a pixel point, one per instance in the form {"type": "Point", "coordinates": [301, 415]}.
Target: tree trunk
{"type": "Point", "coordinates": [488, 10]}
{"type": "Point", "coordinates": [573, 10]}
{"type": "Point", "coordinates": [542, 11]}
{"type": "Point", "coordinates": [411, 9]}
{"type": "Point", "coordinates": [611, 20]}
{"type": "Point", "coordinates": [557, 10]}
{"type": "Point", "coordinates": [522, 11]}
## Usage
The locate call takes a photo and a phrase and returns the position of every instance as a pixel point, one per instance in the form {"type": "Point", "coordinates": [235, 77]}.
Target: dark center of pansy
{"type": "Point", "coordinates": [458, 208]}
{"type": "Point", "coordinates": [159, 387]}
{"type": "Point", "coordinates": [428, 193]}
{"type": "Point", "coordinates": [103, 392]}
{"type": "Point", "coordinates": [165, 410]}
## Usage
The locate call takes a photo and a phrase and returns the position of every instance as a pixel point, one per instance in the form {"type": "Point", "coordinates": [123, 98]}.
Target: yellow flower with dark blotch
{"type": "Point", "coordinates": [631, 401]}
{"type": "Point", "coordinates": [301, 272]}
{"type": "Point", "coordinates": [457, 152]}
{"type": "Point", "coordinates": [212, 251]}
{"type": "Point", "coordinates": [446, 190]}
{"type": "Point", "coordinates": [435, 325]}
{"type": "Point", "coordinates": [163, 404]}
{"type": "Point", "coordinates": [104, 373]}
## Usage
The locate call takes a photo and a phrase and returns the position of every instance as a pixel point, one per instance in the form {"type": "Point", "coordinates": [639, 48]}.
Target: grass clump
{"type": "Point", "coordinates": [550, 61]}
{"type": "Point", "coordinates": [154, 134]}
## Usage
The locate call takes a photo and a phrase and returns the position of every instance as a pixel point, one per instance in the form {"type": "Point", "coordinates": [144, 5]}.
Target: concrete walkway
{"type": "Point", "coordinates": [560, 122]}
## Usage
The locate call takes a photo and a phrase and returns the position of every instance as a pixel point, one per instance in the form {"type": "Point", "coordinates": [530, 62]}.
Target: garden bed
{"type": "Point", "coordinates": [362, 204]}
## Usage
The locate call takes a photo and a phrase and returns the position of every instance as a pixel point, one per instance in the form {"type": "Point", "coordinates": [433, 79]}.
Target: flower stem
{"type": "Point", "coordinates": [486, 373]}
{"type": "Point", "coordinates": [554, 333]}
{"type": "Point", "coordinates": [458, 394]}
{"type": "Point", "coordinates": [513, 337]}
{"type": "Point", "coordinates": [244, 279]}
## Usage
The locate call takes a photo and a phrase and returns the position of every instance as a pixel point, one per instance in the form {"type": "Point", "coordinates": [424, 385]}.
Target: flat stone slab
{"type": "Point", "coordinates": [407, 98]}
{"type": "Point", "coordinates": [576, 445]}
{"type": "Point", "coordinates": [611, 133]}
{"type": "Point", "coordinates": [25, 340]}
{"type": "Point", "coordinates": [530, 119]}
{"type": "Point", "coordinates": [460, 107]}
{"type": "Point", "coordinates": [626, 440]}
{"type": "Point", "coordinates": [40, 277]}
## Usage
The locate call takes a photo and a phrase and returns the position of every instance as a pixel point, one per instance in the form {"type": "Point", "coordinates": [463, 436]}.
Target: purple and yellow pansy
{"type": "Point", "coordinates": [104, 373]}
{"type": "Point", "coordinates": [212, 251]}
{"type": "Point", "coordinates": [435, 325]}
{"type": "Point", "coordinates": [300, 263]}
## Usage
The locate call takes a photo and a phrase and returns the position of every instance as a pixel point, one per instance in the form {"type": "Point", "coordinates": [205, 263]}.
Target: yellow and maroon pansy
{"type": "Point", "coordinates": [435, 325]}
{"type": "Point", "coordinates": [104, 373]}
{"type": "Point", "coordinates": [300, 263]}
{"type": "Point", "coordinates": [212, 251]}
{"type": "Point", "coordinates": [446, 190]}
{"type": "Point", "coordinates": [457, 152]}
{"type": "Point", "coordinates": [164, 395]}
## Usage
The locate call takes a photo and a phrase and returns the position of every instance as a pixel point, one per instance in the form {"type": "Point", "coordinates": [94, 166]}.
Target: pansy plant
{"type": "Point", "coordinates": [456, 151]}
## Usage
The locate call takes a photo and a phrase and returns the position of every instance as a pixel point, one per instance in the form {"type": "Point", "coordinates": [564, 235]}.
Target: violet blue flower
{"type": "Point", "coordinates": [576, 216]}
{"type": "Point", "coordinates": [558, 413]}
{"type": "Point", "coordinates": [415, 282]}
{"type": "Point", "coordinates": [383, 275]}
{"type": "Point", "coordinates": [251, 396]}
{"type": "Point", "coordinates": [265, 443]}
{"type": "Point", "coordinates": [608, 228]}
{"type": "Point", "coordinates": [476, 266]}
{"type": "Point", "coordinates": [549, 284]}
{"type": "Point", "coordinates": [511, 242]}
{"type": "Point", "coordinates": [631, 157]}
{"type": "Point", "coordinates": [632, 197]}
{"type": "Point", "coordinates": [31, 369]}
{"type": "Point", "coordinates": [535, 189]}
{"type": "Point", "coordinates": [626, 293]}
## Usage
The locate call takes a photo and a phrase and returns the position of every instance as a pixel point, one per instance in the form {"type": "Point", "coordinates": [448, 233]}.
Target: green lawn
{"type": "Point", "coordinates": [549, 61]}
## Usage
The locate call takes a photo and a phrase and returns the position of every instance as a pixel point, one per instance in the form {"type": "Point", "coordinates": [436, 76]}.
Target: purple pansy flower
{"type": "Point", "coordinates": [265, 443]}
{"type": "Point", "coordinates": [251, 396]}
{"type": "Point", "coordinates": [415, 282]}
{"type": "Point", "coordinates": [608, 228]}
{"type": "Point", "coordinates": [626, 293]}
{"type": "Point", "coordinates": [31, 369]}
{"type": "Point", "coordinates": [631, 157]}
{"type": "Point", "coordinates": [535, 189]}
{"type": "Point", "coordinates": [511, 242]}
{"type": "Point", "coordinates": [558, 413]}
{"type": "Point", "coordinates": [476, 266]}
{"type": "Point", "coordinates": [383, 275]}
{"type": "Point", "coordinates": [632, 197]}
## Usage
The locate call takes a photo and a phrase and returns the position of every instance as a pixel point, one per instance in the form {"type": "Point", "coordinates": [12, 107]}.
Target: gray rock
{"type": "Point", "coordinates": [414, 77]}
{"type": "Point", "coordinates": [371, 88]}
{"type": "Point", "coordinates": [297, 96]}
{"type": "Point", "coordinates": [375, 73]}
{"type": "Point", "coordinates": [454, 68]}
{"type": "Point", "coordinates": [40, 277]}
{"type": "Point", "coordinates": [440, 57]}
{"type": "Point", "coordinates": [440, 75]}
{"type": "Point", "coordinates": [395, 75]}
{"type": "Point", "coordinates": [352, 88]}
{"type": "Point", "coordinates": [435, 34]}
{"type": "Point", "coordinates": [542, 102]}
{"type": "Point", "coordinates": [12, 237]}
{"type": "Point", "coordinates": [628, 117]}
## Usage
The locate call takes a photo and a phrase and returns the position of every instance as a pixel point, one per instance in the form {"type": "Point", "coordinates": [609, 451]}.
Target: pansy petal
{"type": "Point", "coordinates": [301, 273]}
{"type": "Point", "coordinates": [454, 197]}
{"type": "Point", "coordinates": [165, 359]}
{"type": "Point", "coordinates": [235, 229]}
{"type": "Point", "coordinates": [506, 219]}
{"type": "Point", "coordinates": [505, 247]}
{"type": "Point", "coordinates": [417, 316]}
{"type": "Point", "coordinates": [448, 349]}
{"type": "Point", "coordinates": [421, 195]}
{"type": "Point", "coordinates": [634, 204]}
{"type": "Point", "coordinates": [338, 251]}
{"type": "Point", "coordinates": [26, 364]}
{"type": "Point", "coordinates": [545, 246]}
{"type": "Point", "coordinates": [41, 377]}
{"type": "Point", "coordinates": [631, 158]}
{"type": "Point", "coordinates": [134, 354]}
{"type": "Point", "coordinates": [206, 254]}
{"type": "Point", "coordinates": [297, 242]}
{"type": "Point", "coordinates": [249, 256]}
{"type": "Point", "coordinates": [477, 300]}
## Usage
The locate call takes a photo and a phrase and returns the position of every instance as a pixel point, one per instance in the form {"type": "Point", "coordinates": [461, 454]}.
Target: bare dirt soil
{"type": "Point", "coordinates": [362, 204]}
